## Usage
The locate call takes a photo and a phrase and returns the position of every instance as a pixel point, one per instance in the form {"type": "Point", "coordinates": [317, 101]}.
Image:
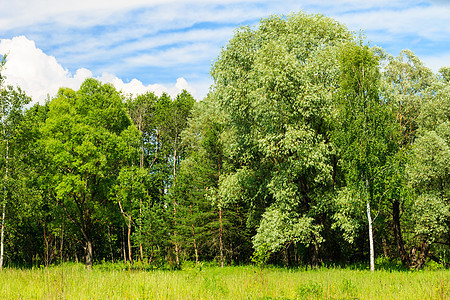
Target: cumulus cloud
{"type": "Point", "coordinates": [40, 75]}
{"type": "Point", "coordinates": [136, 87]}
{"type": "Point", "coordinates": [35, 72]}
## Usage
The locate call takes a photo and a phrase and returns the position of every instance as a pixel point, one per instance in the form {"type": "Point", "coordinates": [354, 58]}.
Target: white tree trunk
{"type": "Point", "coordinates": [177, 249]}
{"type": "Point", "coordinates": [372, 254]}
{"type": "Point", "coordinates": [2, 238]}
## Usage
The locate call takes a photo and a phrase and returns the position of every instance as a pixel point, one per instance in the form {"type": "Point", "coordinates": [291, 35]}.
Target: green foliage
{"type": "Point", "coordinates": [304, 131]}
{"type": "Point", "coordinates": [445, 74]}
{"type": "Point", "coordinates": [348, 216]}
{"type": "Point", "coordinates": [275, 82]}
{"type": "Point", "coordinates": [311, 290]}
{"type": "Point", "coordinates": [86, 141]}
{"type": "Point", "coordinates": [429, 172]}
{"type": "Point", "coordinates": [261, 256]}
{"type": "Point", "coordinates": [365, 121]}
{"type": "Point", "coordinates": [363, 137]}
{"type": "Point", "coordinates": [279, 228]}
{"type": "Point", "coordinates": [429, 166]}
{"type": "Point", "coordinates": [404, 85]}
{"type": "Point", "coordinates": [12, 102]}
{"type": "Point", "coordinates": [390, 264]}
{"type": "Point", "coordinates": [209, 221]}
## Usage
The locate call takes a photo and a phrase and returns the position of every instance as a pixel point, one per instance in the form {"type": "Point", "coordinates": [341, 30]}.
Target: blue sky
{"type": "Point", "coordinates": [169, 45]}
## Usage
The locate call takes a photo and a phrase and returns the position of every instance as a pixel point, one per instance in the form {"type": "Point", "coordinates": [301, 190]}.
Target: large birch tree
{"type": "Point", "coordinates": [363, 133]}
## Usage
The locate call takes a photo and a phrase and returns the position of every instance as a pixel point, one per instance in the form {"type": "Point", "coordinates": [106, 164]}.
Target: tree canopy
{"type": "Point", "coordinates": [310, 148]}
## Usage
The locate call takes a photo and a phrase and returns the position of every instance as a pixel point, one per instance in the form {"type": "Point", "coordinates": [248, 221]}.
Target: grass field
{"type": "Point", "coordinates": [73, 281]}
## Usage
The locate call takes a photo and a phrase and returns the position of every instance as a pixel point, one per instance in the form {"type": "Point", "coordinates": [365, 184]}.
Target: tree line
{"type": "Point", "coordinates": [311, 148]}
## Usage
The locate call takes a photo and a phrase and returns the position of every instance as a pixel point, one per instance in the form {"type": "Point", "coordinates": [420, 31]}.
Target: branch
{"type": "Point", "coordinates": [443, 243]}
{"type": "Point", "coordinates": [125, 215]}
{"type": "Point", "coordinates": [72, 219]}
{"type": "Point", "coordinates": [436, 259]}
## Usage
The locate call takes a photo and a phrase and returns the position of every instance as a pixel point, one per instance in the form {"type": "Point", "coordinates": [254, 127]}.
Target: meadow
{"type": "Point", "coordinates": [73, 281]}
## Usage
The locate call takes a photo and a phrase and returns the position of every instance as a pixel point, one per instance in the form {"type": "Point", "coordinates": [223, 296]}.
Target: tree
{"type": "Point", "coordinates": [405, 81]}
{"type": "Point", "coordinates": [160, 121]}
{"type": "Point", "coordinates": [428, 170]}
{"type": "Point", "coordinates": [208, 226]}
{"type": "Point", "coordinates": [148, 113]}
{"type": "Point", "coordinates": [36, 227]}
{"type": "Point", "coordinates": [180, 110]}
{"type": "Point", "coordinates": [131, 195]}
{"type": "Point", "coordinates": [85, 138]}
{"type": "Point", "coordinates": [12, 102]}
{"type": "Point", "coordinates": [417, 97]}
{"type": "Point", "coordinates": [276, 84]}
{"type": "Point", "coordinates": [363, 134]}
{"type": "Point", "coordinates": [141, 111]}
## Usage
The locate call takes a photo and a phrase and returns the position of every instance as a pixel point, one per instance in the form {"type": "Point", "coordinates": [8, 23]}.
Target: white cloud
{"type": "Point", "coordinates": [427, 22]}
{"type": "Point", "coordinates": [136, 87]}
{"type": "Point", "coordinates": [40, 75]}
{"type": "Point", "coordinates": [174, 56]}
{"type": "Point", "coordinates": [440, 2]}
{"type": "Point", "coordinates": [436, 62]}
{"type": "Point", "coordinates": [88, 13]}
{"type": "Point", "coordinates": [35, 72]}
{"type": "Point", "coordinates": [219, 35]}
{"type": "Point", "coordinates": [176, 37]}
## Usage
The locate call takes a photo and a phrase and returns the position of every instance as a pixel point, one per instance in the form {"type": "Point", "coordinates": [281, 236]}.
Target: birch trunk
{"type": "Point", "coordinates": [2, 238]}
{"type": "Point", "coordinates": [141, 166]}
{"type": "Point", "coordinates": [369, 220]}
{"type": "Point", "coordinates": [177, 249]}
{"type": "Point", "coordinates": [372, 254]}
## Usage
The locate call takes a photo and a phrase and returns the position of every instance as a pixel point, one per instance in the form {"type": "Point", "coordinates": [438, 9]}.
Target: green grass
{"type": "Point", "coordinates": [72, 281]}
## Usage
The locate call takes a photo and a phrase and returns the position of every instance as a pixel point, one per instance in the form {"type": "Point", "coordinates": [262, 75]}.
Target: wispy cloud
{"type": "Point", "coordinates": [173, 56]}
{"type": "Point", "coordinates": [159, 41]}
{"type": "Point", "coordinates": [435, 62]}
{"type": "Point", "coordinates": [427, 22]}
